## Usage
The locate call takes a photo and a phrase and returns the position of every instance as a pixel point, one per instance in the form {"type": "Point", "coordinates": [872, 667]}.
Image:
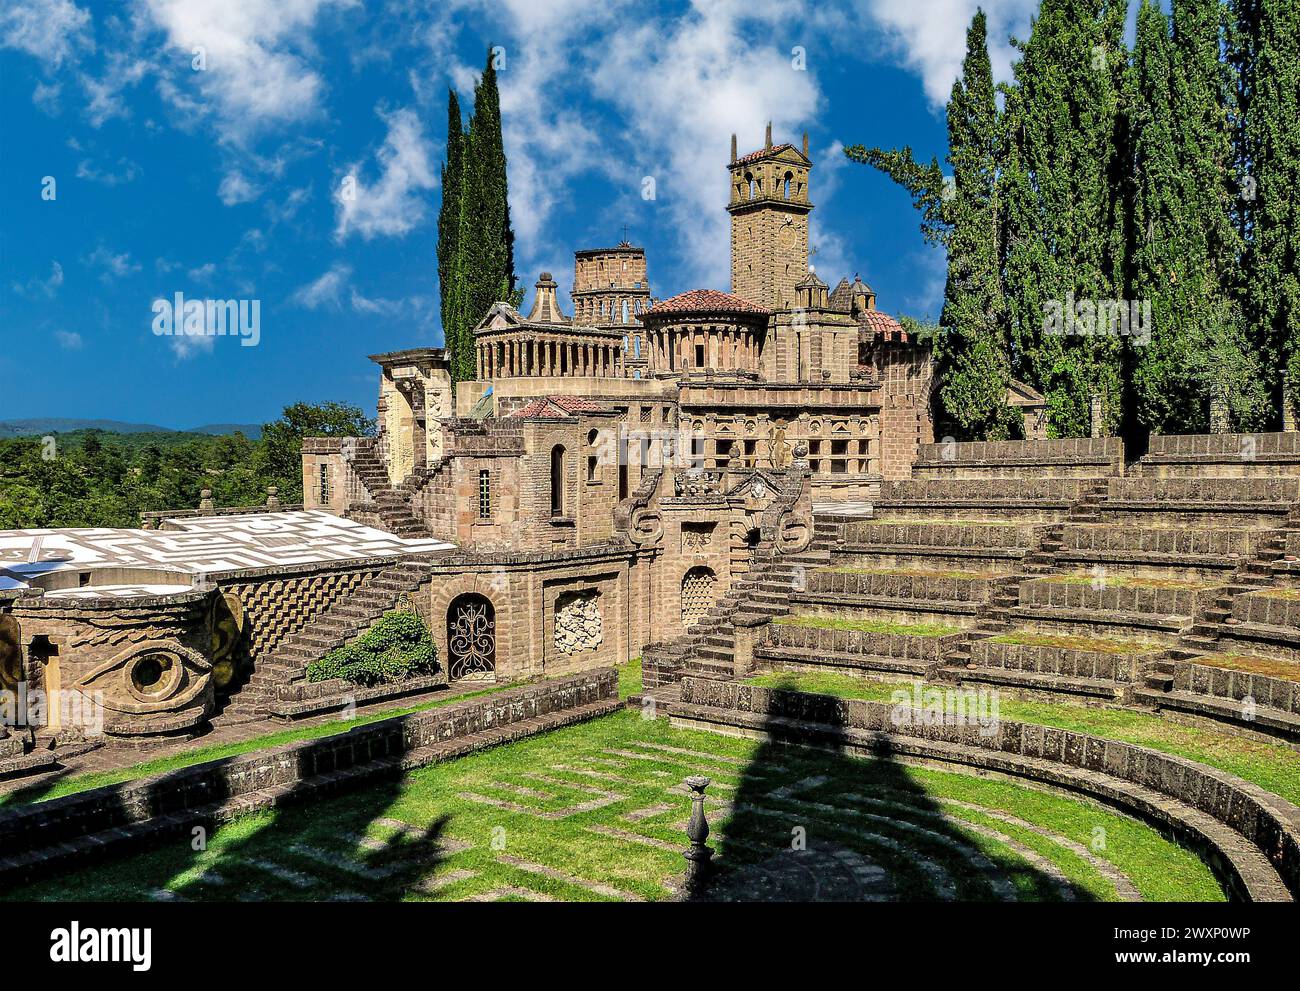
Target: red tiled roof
{"type": "Point", "coordinates": [754, 156]}
{"type": "Point", "coordinates": [705, 301]}
{"type": "Point", "coordinates": [558, 406]}
{"type": "Point", "coordinates": [883, 325]}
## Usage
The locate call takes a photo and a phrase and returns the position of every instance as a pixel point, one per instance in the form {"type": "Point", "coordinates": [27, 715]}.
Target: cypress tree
{"type": "Point", "coordinates": [971, 348]}
{"type": "Point", "coordinates": [1065, 219]}
{"type": "Point", "coordinates": [1267, 57]}
{"type": "Point", "coordinates": [475, 239]}
{"type": "Point", "coordinates": [962, 213]}
{"type": "Point", "coordinates": [490, 240]}
{"type": "Point", "coordinates": [451, 284]}
{"type": "Point", "coordinates": [1186, 249]}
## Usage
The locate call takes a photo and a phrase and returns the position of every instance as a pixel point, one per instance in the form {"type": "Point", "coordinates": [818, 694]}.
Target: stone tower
{"type": "Point", "coordinates": [610, 285]}
{"type": "Point", "coordinates": [769, 210]}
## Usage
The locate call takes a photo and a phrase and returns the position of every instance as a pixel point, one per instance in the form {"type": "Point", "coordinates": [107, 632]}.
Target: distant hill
{"type": "Point", "coordinates": [40, 426]}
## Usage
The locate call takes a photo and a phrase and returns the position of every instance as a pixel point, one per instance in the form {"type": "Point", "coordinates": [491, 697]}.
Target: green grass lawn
{"type": "Point", "coordinates": [1271, 766]}
{"type": "Point", "coordinates": [868, 625]}
{"type": "Point", "coordinates": [597, 811]}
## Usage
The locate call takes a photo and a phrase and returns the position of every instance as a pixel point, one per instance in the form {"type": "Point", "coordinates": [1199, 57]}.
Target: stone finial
{"type": "Point", "coordinates": [206, 505]}
{"type": "Point", "coordinates": [733, 149]}
{"type": "Point", "coordinates": [273, 497]}
{"type": "Point", "coordinates": [699, 857]}
{"type": "Point", "coordinates": [767, 143]}
{"type": "Point", "coordinates": [805, 144]}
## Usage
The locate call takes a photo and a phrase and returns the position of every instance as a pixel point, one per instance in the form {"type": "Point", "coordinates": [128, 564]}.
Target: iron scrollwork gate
{"type": "Point", "coordinates": [471, 639]}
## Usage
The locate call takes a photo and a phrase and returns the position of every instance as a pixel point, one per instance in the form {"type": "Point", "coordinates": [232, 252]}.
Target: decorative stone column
{"type": "Point", "coordinates": [699, 858]}
{"type": "Point", "coordinates": [1095, 414]}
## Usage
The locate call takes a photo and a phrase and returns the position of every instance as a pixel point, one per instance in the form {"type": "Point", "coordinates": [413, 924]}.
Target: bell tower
{"type": "Point", "coordinates": [769, 210]}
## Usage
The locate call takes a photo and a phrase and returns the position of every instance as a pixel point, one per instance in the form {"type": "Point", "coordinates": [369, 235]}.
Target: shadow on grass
{"type": "Point", "coordinates": [175, 855]}
{"type": "Point", "coordinates": [811, 821]}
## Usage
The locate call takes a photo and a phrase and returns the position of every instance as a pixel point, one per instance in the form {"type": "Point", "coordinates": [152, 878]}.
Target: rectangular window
{"type": "Point", "coordinates": [324, 484]}
{"type": "Point", "coordinates": [484, 494]}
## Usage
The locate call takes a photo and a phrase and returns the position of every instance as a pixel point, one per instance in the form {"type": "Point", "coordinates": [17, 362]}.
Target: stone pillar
{"type": "Point", "coordinates": [1095, 411]}
{"type": "Point", "coordinates": [1219, 419]}
{"type": "Point", "coordinates": [1288, 405]}
{"type": "Point", "coordinates": [699, 858]}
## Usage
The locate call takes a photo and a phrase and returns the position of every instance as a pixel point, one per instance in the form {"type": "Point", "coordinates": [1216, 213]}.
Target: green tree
{"type": "Point", "coordinates": [476, 261]}
{"type": "Point", "coordinates": [962, 213]}
{"type": "Point", "coordinates": [1266, 55]}
{"type": "Point", "coordinates": [490, 253]}
{"type": "Point", "coordinates": [1063, 182]}
{"type": "Point", "coordinates": [451, 219]}
{"type": "Point", "coordinates": [280, 456]}
{"type": "Point", "coordinates": [1186, 249]}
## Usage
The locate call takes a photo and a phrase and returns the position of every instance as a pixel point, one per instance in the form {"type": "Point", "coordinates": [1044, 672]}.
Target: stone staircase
{"type": "Point", "coordinates": [708, 649]}
{"type": "Point", "coordinates": [343, 621]}
{"type": "Point", "coordinates": [389, 502]}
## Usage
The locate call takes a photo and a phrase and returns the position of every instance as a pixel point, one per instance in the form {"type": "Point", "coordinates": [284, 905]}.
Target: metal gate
{"type": "Point", "coordinates": [471, 639]}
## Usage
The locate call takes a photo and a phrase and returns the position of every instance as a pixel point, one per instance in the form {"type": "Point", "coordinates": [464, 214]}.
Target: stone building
{"type": "Point", "coordinates": [604, 482]}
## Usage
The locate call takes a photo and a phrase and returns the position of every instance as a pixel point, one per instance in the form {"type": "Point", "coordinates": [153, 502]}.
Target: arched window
{"type": "Point", "coordinates": [789, 177]}
{"type": "Point", "coordinates": [557, 480]}
{"type": "Point", "coordinates": [593, 463]}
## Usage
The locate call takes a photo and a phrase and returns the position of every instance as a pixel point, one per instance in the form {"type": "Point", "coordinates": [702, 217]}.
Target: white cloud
{"type": "Point", "coordinates": [202, 273]}
{"type": "Point", "coordinates": [86, 169]}
{"type": "Point", "coordinates": [235, 188]}
{"type": "Point", "coordinates": [392, 205]}
{"type": "Point", "coordinates": [255, 57]}
{"type": "Point", "coordinates": [323, 291]}
{"type": "Point", "coordinates": [930, 38]}
{"type": "Point", "coordinates": [46, 97]}
{"type": "Point", "coordinates": [50, 30]}
{"type": "Point", "coordinates": [68, 340]}
{"type": "Point", "coordinates": [46, 288]}
{"type": "Point", "coordinates": [114, 266]}
{"type": "Point", "coordinates": [106, 93]}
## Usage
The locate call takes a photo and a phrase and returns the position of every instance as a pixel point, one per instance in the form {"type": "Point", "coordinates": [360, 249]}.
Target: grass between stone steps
{"type": "Point", "coordinates": [1129, 581]}
{"type": "Point", "coordinates": [596, 812]}
{"type": "Point", "coordinates": [868, 626]}
{"type": "Point", "coordinates": [1101, 645]}
{"type": "Point", "coordinates": [916, 572]}
{"type": "Point", "coordinates": [172, 762]}
{"type": "Point", "coordinates": [1273, 767]}
{"type": "Point", "coordinates": [1286, 670]}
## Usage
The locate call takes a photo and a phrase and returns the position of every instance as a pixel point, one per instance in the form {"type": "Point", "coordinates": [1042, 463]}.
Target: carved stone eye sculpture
{"type": "Point", "coordinates": [151, 687]}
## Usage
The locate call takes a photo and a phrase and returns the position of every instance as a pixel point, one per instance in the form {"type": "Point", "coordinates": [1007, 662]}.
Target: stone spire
{"type": "Point", "coordinates": [546, 307]}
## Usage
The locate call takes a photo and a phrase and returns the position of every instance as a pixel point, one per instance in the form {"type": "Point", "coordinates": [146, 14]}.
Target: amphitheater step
{"type": "Point", "coordinates": [1263, 719]}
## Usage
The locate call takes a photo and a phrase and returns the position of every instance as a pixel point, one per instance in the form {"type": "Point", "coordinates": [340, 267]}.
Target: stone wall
{"type": "Point", "coordinates": [1077, 457]}
{"type": "Point", "coordinates": [48, 834]}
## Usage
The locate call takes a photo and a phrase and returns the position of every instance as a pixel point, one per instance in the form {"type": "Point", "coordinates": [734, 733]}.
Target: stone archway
{"type": "Point", "coordinates": [471, 638]}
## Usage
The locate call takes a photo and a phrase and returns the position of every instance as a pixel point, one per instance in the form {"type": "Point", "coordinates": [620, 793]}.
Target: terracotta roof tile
{"type": "Point", "coordinates": [754, 156]}
{"type": "Point", "coordinates": [558, 406]}
{"type": "Point", "coordinates": [882, 325]}
{"type": "Point", "coordinates": [705, 301]}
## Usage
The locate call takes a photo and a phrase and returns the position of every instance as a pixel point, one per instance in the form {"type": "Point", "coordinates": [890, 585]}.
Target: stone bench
{"type": "Point", "coordinates": [1222, 455]}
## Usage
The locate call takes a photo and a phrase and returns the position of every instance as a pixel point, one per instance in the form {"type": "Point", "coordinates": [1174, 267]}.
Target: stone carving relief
{"type": "Point", "coordinates": [578, 624]}
{"type": "Point", "coordinates": [697, 538]}
{"type": "Point", "coordinates": [153, 678]}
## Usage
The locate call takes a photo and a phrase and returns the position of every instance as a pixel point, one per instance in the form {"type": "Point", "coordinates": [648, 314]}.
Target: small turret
{"type": "Point", "coordinates": [546, 307]}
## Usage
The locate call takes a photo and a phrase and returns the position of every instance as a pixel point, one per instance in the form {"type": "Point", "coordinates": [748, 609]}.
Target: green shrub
{"type": "Point", "coordinates": [395, 648]}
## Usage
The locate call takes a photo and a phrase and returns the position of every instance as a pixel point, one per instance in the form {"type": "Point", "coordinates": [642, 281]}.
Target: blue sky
{"type": "Point", "coordinates": [201, 146]}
